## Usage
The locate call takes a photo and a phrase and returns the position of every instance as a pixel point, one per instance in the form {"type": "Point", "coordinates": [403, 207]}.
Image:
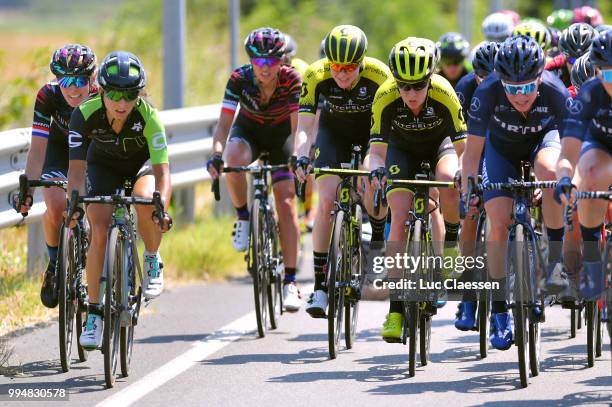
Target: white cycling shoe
{"type": "Point", "coordinates": [91, 337]}
{"type": "Point", "coordinates": [153, 276]}
{"type": "Point", "coordinates": [317, 304]}
{"type": "Point", "coordinates": [240, 239]}
{"type": "Point", "coordinates": [291, 297]}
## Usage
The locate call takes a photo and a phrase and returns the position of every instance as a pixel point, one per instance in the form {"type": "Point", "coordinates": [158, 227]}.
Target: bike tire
{"type": "Point", "coordinates": [424, 338]}
{"type": "Point", "coordinates": [274, 286]}
{"type": "Point", "coordinates": [355, 280]}
{"type": "Point", "coordinates": [535, 258]}
{"type": "Point", "coordinates": [66, 298]}
{"type": "Point", "coordinates": [484, 306]}
{"type": "Point", "coordinates": [257, 267]}
{"type": "Point", "coordinates": [126, 339]}
{"type": "Point", "coordinates": [573, 322]}
{"type": "Point", "coordinates": [598, 333]}
{"type": "Point", "coordinates": [336, 267]}
{"type": "Point", "coordinates": [110, 341]}
{"type": "Point", "coordinates": [413, 308]}
{"type": "Point", "coordinates": [590, 312]}
{"type": "Point", "coordinates": [520, 328]}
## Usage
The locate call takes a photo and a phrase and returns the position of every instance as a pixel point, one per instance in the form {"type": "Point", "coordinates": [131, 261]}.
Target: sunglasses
{"type": "Point", "coordinates": [412, 85]}
{"type": "Point", "coordinates": [343, 67]}
{"type": "Point", "coordinates": [525, 88]}
{"type": "Point", "coordinates": [127, 95]}
{"type": "Point", "coordinates": [68, 81]}
{"type": "Point", "coordinates": [263, 61]}
{"type": "Point", "coordinates": [452, 61]}
{"type": "Point", "coordinates": [606, 75]}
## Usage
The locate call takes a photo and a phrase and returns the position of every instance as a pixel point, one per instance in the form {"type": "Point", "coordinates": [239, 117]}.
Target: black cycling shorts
{"type": "Point", "coordinates": [404, 164]}
{"type": "Point", "coordinates": [105, 177]}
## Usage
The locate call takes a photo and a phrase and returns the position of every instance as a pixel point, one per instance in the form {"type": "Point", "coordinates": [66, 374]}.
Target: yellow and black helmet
{"type": "Point", "coordinates": [413, 59]}
{"type": "Point", "coordinates": [345, 44]}
{"type": "Point", "coordinates": [534, 30]}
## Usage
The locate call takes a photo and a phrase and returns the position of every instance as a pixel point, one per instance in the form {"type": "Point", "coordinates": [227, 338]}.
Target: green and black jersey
{"type": "Point", "coordinates": [142, 136]}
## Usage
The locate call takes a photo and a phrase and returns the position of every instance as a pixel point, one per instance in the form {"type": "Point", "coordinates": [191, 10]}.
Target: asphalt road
{"type": "Point", "coordinates": [197, 345]}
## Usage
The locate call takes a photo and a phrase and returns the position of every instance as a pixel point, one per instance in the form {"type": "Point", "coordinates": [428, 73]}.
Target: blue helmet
{"type": "Point", "coordinates": [484, 58]}
{"type": "Point", "coordinates": [519, 59]}
{"type": "Point", "coordinates": [601, 49]}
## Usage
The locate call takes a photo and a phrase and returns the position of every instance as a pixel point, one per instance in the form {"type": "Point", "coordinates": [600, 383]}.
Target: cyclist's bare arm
{"type": "Point", "coordinates": [305, 134]}
{"type": "Point", "coordinates": [222, 130]}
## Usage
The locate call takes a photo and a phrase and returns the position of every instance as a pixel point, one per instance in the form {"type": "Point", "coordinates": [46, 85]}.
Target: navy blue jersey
{"type": "Point", "coordinates": [590, 116]}
{"type": "Point", "coordinates": [465, 89]}
{"type": "Point", "coordinates": [491, 114]}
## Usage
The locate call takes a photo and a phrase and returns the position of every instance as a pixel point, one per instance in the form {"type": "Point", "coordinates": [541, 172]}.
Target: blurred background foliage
{"type": "Point", "coordinates": [31, 29]}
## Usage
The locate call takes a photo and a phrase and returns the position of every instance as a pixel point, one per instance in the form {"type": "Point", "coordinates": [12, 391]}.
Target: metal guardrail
{"type": "Point", "coordinates": [189, 135]}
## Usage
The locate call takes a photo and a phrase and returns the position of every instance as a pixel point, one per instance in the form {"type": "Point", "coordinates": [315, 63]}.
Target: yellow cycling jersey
{"type": "Point", "coordinates": [300, 65]}
{"type": "Point", "coordinates": [346, 104]}
{"type": "Point", "coordinates": [441, 117]}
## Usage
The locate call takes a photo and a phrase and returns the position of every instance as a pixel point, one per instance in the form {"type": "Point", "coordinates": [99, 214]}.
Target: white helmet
{"type": "Point", "coordinates": [497, 27]}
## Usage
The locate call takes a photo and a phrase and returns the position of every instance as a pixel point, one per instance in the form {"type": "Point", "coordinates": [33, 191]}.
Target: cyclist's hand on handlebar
{"type": "Point", "coordinates": [166, 224]}
{"type": "Point", "coordinates": [378, 177]}
{"type": "Point", "coordinates": [25, 207]}
{"type": "Point", "coordinates": [76, 216]}
{"type": "Point", "coordinates": [301, 167]}
{"type": "Point", "coordinates": [214, 165]}
{"type": "Point", "coordinates": [564, 191]}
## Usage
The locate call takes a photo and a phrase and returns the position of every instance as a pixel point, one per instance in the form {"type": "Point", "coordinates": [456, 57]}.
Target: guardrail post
{"type": "Point", "coordinates": [185, 204]}
{"type": "Point", "coordinates": [36, 249]}
{"type": "Point", "coordinates": [224, 206]}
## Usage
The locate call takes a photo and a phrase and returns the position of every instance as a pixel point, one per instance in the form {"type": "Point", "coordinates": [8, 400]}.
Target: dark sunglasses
{"type": "Point", "coordinates": [261, 62]}
{"type": "Point", "coordinates": [412, 85]}
{"type": "Point", "coordinates": [117, 95]}
{"type": "Point", "coordinates": [68, 81]}
{"type": "Point", "coordinates": [452, 61]}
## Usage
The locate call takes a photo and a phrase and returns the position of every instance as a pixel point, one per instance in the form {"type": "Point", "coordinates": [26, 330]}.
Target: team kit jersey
{"type": "Point", "coordinates": [511, 136]}
{"type": "Point", "coordinates": [264, 127]}
{"type": "Point", "coordinates": [111, 157]}
{"type": "Point", "coordinates": [51, 121]}
{"type": "Point", "coordinates": [465, 89]}
{"type": "Point", "coordinates": [590, 116]}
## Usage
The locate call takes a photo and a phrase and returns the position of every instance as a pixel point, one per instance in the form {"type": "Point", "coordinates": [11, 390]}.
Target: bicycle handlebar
{"type": "Point", "coordinates": [569, 210]}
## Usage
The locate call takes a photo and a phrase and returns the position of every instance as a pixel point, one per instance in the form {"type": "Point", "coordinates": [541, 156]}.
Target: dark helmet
{"type": "Point", "coordinates": [265, 42]}
{"type": "Point", "coordinates": [601, 49]}
{"type": "Point", "coordinates": [582, 70]}
{"type": "Point", "coordinates": [484, 58]}
{"type": "Point", "coordinates": [73, 60]}
{"type": "Point", "coordinates": [576, 39]}
{"type": "Point", "coordinates": [121, 70]}
{"type": "Point", "coordinates": [346, 44]}
{"type": "Point", "coordinates": [519, 59]}
{"type": "Point", "coordinates": [290, 46]}
{"type": "Point", "coordinates": [453, 46]}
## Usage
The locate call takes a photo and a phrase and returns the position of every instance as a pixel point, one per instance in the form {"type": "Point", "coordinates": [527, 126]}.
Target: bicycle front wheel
{"type": "Point", "coordinates": [275, 278]}
{"type": "Point", "coordinates": [65, 271]}
{"type": "Point", "coordinates": [591, 325]}
{"type": "Point", "coordinates": [520, 324]}
{"type": "Point", "coordinates": [355, 282]}
{"type": "Point", "coordinates": [257, 266]}
{"type": "Point", "coordinates": [134, 295]}
{"type": "Point", "coordinates": [112, 296]}
{"type": "Point", "coordinates": [483, 295]}
{"type": "Point", "coordinates": [414, 317]}
{"type": "Point", "coordinates": [335, 278]}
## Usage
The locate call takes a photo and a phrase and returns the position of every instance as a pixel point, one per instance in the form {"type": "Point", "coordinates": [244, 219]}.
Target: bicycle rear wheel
{"type": "Point", "coordinates": [337, 265]}
{"type": "Point", "coordinates": [424, 338]}
{"type": "Point", "coordinates": [520, 295]}
{"type": "Point", "coordinates": [257, 266]}
{"type": "Point", "coordinates": [133, 305]}
{"type": "Point", "coordinates": [573, 322]}
{"type": "Point", "coordinates": [65, 271]}
{"type": "Point", "coordinates": [355, 282]}
{"type": "Point", "coordinates": [112, 295]}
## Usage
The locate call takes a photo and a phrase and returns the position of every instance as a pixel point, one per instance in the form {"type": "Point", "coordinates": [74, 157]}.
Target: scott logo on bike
{"type": "Point", "coordinates": [344, 195]}
{"type": "Point", "coordinates": [394, 169]}
{"type": "Point", "coordinates": [419, 205]}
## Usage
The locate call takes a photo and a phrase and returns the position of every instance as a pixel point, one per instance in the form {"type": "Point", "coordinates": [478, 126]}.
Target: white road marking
{"type": "Point", "coordinates": [200, 351]}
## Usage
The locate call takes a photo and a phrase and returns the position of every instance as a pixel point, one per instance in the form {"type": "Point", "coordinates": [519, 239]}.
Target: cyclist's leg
{"type": "Point", "coordinates": [101, 180]}
{"type": "Point", "coordinates": [594, 173]}
{"type": "Point", "coordinates": [239, 151]}
{"type": "Point", "coordinates": [546, 157]}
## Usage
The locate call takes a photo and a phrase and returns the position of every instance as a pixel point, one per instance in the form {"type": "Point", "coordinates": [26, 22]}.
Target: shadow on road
{"type": "Point", "coordinates": [585, 398]}
{"type": "Point", "coordinates": [482, 384]}
{"type": "Point", "coordinates": [172, 338]}
{"type": "Point", "coordinates": [379, 373]}
{"type": "Point", "coordinates": [307, 356]}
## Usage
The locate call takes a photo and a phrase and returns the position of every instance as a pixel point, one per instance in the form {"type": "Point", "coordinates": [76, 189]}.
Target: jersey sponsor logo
{"type": "Point", "coordinates": [159, 141]}
{"type": "Point", "coordinates": [304, 90]}
{"type": "Point", "coordinates": [541, 109]}
{"type": "Point", "coordinates": [518, 129]}
{"type": "Point", "coordinates": [574, 106]}
{"type": "Point", "coordinates": [74, 139]}
{"type": "Point", "coordinates": [417, 124]}
{"type": "Point", "coordinates": [363, 91]}
{"type": "Point", "coordinates": [502, 108]}
{"type": "Point", "coordinates": [430, 111]}
{"type": "Point", "coordinates": [475, 104]}
{"type": "Point", "coordinates": [461, 97]}
{"type": "Point", "coordinates": [137, 126]}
